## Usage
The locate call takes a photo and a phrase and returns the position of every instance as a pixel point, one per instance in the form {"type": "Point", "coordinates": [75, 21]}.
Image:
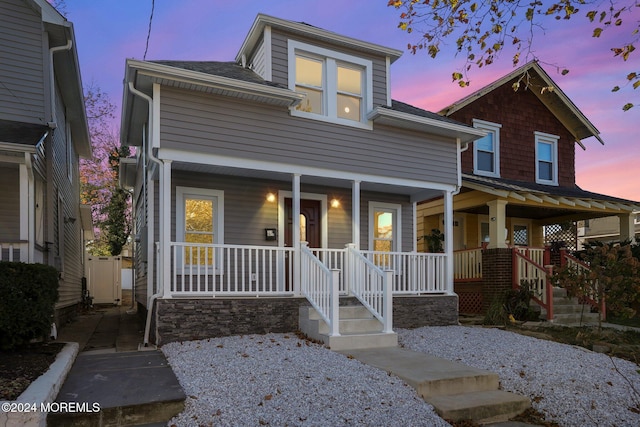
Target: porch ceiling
{"type": "Point", "coordinates": [262, 175]}
{"type": "Point", "coordinates": [541, 202]}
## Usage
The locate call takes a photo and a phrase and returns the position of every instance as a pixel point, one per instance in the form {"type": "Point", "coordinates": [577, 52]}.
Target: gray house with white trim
{"type": "Point", "coordinates": [283, 180]}
{"type": "Point", "coordinates": [43, 132]}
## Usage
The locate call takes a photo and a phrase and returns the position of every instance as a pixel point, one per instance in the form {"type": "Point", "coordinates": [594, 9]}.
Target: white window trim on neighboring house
{"type": "Point", "coordinates": [331, 59]}
{"type": "Point", "coordinates": [493, 128]}
{"type": "Point", "coordinates": [218, 221]}
{"type": "Point", "coordinates": [547, 138]}
{"type": "Point", "coordinates": [396, 210]}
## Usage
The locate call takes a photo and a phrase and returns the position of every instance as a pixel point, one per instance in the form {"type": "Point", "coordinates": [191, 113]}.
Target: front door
{"type": "Point", "coordinates": [310, 220]}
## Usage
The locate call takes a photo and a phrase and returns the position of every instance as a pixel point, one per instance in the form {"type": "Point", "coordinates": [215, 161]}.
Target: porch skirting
{"type": "Point", "coordinates": [201, 318]}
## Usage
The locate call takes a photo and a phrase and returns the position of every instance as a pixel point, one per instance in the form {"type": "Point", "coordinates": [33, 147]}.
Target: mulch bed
{"type": "Point", "coordinates": [19, 368]}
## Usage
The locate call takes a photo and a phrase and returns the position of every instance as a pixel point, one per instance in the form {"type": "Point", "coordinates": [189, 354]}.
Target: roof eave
{"type": "Point", "coordinates": [465, 133]}
{"type": "Point", "coordinates": [263, 20]}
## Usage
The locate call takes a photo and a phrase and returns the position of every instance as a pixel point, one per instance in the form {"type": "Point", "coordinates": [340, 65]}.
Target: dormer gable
{"type": "Point", "coordinates": [343, 78]}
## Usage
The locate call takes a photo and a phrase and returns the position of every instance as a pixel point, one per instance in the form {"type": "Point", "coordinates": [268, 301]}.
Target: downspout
{"type": "Point", "coordinates": [53, 123]}
{"type": "Point", "coordinates": [153, 158]}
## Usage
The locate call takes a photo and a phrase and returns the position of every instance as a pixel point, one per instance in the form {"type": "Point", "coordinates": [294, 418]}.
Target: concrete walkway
{"type": "Point", "coordinates": [130, 387]}
{"type": "Point", "coordinates": [456, 391]}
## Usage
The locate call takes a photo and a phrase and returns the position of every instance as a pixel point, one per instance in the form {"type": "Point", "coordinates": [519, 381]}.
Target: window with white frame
{"type": "Point", "coordinates": [199, 221]}
{"type": "Point", "coordinates": [384, 230]}
{"type": "Point", "coordinates": [337, 87]}
{"type": "Point", "coordinates": [546, 158]}
{"type": "Point", "coordinates": [486, 150]}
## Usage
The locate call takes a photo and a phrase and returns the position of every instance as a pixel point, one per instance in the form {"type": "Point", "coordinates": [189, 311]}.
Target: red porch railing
{"type": "Point", "coordinates": [537, 276]}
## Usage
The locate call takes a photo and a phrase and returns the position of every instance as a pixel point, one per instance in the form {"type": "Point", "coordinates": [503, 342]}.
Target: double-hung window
{"type": "Point", "coordinates": [546, 158]}
{"type": "Point", "coordinates": [486, 150]}
{"type": "Point", "coordinates": [337, 86]}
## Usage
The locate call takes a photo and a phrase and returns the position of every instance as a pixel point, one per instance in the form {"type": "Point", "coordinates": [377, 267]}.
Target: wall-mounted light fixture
{"type": "Point", "coordinates": [493, 219]}
{"type": "Point", "coordinates": [271, 197]}
{"type": "Point", "coordinates": [69, 220]}
{"type": "Point", "coordinates": [335, 203]}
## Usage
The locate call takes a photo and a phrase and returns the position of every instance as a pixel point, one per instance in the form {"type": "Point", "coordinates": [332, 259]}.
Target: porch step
{"type": "Point", "coordinates": [357, 326]}
{"type": "Point", "coordinates": [457, 392]}
{"type": "Point", "coordinates": [567, 311]}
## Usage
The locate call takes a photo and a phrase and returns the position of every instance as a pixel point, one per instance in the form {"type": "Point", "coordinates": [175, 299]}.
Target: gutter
{"type": "Point", "coordinates": [157, 161]}
{"type": "Point", "coordinates": [53, 123]}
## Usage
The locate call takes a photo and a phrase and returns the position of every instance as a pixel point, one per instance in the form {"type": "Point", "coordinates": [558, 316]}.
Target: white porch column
{"type": "Point", "coordinates": [415, 227]}
{"type": "Point", "coordinates": [295, 232]}
{"type": "Point", "coordinates": [627, 227]}
{"type": "Point", "coordinates": [448, 241]}
{"type": "Point", "coordinates": [497, 223]}
{"type": "Point", "coordinates": [165, 226]}
{"type": "Point", "coordinates": [355, 214]}
{"type": "Point", "coordinates": [25, 218]}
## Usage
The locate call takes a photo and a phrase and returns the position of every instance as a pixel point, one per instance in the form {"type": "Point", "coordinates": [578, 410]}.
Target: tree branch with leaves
{"type": "Point", "coordinates": [482, 30]}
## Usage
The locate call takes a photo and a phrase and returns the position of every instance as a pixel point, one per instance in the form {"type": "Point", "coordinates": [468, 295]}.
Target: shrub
{"type": "Point", "coordinates": [29, 293]}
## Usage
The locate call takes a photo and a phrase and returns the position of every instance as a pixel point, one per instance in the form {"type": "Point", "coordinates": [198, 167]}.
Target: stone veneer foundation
{"type": "Point", "coordinates": [193, 319]}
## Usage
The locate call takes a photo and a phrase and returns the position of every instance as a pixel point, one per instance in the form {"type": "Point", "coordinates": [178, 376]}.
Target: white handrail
{"type": "Point", "coordinates": [467, 264]}
{"type": "Point", "coordinates": [371, 286]}
{"type": "Point", "coordinates": [333, 259]}
{"type": "Point", "coordinates": [320, 288]}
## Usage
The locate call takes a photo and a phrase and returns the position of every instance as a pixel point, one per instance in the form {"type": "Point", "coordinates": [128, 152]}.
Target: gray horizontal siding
{"type": "Point", "coordinates": [280, 62]}
{"type": "Point", "coordinates": [246, 214]}
{"type": "Point", "coordinates": [22, 92]}
{"type": "Point", "coordinates": [199, 123]}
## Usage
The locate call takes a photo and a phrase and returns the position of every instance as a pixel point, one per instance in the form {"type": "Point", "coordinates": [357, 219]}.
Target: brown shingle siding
{"type": "Point", "coordinates": [520, 114]}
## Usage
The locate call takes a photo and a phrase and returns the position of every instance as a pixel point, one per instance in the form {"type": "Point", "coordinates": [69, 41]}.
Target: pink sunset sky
{"type": "Point", "coordinates": [108, 32]}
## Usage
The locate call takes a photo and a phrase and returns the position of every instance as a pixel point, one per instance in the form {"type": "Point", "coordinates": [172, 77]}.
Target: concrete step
{"type": "Point", "coordinates": [357, 326]}
{"type": "Point", "coordinates": [429, 375]}
{"type": "Point", "coordinates": [575, 319]}
{"type": "Point", "coordinates": [480, 406]}
{"type": "Point", "coordinates": [571, 308]}
{"type": "Point", "coordinates": [371, 340]}
{"type": "Point", "coordinates": [457, 391]}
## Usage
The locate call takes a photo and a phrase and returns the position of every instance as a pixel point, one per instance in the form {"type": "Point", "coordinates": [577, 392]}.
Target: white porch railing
{"type": "Point", "coordinates": [228, 270]}
{"type": "Point", "coordinates": [320, 286]}
{"type": "Point", "coordinates": [371, 286]}
{"type": "Point", "coordinates": [467, 264]}
{"type": "Point", "coordinates": [534, 254]}
{"type": "Point", "coordinates": [200, 269]}
{"type": "Point", "coordinates": [525, 270]}
{"type": "Point", "coordinates": [333, 259]}
{"type": "Point", "coordinates": [413, 272]}
{"type": "Point", "coordinates": [14, 251]}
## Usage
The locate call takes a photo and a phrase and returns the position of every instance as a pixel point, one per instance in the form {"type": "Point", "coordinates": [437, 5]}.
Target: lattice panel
{"type": "Point", "coordinates": [562, 235]}
{"type": "Point", "coordinates": [470, 302]}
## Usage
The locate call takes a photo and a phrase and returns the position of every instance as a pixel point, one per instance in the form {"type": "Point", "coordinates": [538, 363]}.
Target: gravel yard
{"type": "Point", "coordinates": [278, 379]}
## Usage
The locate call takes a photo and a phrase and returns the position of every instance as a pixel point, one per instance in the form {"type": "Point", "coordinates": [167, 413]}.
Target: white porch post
{"type": "Point", "coordinates": [448, 241]}
{"type": "Point", "coordinates": [24, 212]}
{"type": "Point", "coordinates": [295, 233]}
{"type": "Point", "coordinates": [497, 223]}
{"type": "Point", "coordinates": [627, 227]}
{"type": "Point", "coordinates": [355, 214]}
{"type": "Point", "coordinates": [165, 226]}
{"type": "Point", "coordinates": [414, 247]}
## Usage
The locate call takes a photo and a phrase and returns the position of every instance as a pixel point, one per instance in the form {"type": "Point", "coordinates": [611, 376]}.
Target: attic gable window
{"type": "Point", "coordinates": [546, 158]}
{"type": "Point", "coordinates": [486, 150]}
{"type": "Point", "coordinates": [338, 87]}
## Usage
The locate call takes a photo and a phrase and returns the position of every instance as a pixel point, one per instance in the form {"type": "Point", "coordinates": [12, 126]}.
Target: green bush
{"type": "Point", "coordinates": [29, 293]}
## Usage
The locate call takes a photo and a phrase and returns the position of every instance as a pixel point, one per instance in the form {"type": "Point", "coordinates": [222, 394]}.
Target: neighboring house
{"type": "Point", "coordinates": [296, 140]}
{"type": "Point", "coordinates": [43, 131]}
{"type": "Point", "coordinates": [518, 183]}
{"type": "Point", "coordinates": [606, 230]}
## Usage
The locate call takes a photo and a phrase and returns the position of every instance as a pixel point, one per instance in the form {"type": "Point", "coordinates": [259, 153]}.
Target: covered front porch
{"type": "Point", "coordinates": [312, 240]}
{"type": "Point", "coordinates": [508, 232]}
